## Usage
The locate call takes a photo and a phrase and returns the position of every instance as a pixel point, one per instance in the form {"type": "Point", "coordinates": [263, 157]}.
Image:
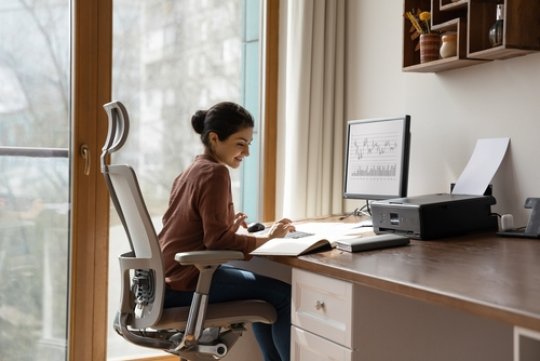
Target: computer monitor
{"type": "Point", "coordinates": [377, 158]}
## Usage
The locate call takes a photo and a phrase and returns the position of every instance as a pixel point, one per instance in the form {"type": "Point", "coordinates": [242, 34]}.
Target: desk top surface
{"type": "Point", "coordinates": [488, 275]}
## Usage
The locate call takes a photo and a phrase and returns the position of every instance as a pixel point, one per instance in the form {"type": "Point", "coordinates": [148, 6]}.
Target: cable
{"type": "Point", "coordinates": [365, 210]}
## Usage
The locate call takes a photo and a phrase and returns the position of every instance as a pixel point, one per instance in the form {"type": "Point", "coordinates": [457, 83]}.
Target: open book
{"type": "Point", "coordinates": [330, 235]}
{"type": "Point", "coordinates": [322, 238]}
{"type": "Point", "coordinates": [293, 246]}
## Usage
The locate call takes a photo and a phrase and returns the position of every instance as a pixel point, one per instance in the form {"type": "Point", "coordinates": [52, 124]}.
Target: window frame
{"type": "Point", "coordinates": [269, 107]}
{"type": "Point", "coordinates": [90, 89]}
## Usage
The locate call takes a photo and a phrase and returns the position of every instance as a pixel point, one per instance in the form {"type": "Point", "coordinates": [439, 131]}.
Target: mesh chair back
{"type": "Point", "coordinates": [142, 268]}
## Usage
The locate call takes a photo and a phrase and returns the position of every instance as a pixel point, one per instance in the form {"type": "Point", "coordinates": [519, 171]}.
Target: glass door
{"type": "Point", "coordinates": [35, 178]}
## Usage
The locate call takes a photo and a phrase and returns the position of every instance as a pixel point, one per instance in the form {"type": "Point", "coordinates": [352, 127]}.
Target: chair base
{"type": "Point", "coordinates": [214, 343]}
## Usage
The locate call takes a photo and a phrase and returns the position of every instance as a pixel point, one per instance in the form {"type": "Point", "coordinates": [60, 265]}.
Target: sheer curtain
{"type": "Point", "coordinates": [310, 147]}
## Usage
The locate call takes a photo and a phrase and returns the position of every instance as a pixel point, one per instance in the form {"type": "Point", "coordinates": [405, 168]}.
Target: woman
{"type": "Point", "coordinates": [201, 216]}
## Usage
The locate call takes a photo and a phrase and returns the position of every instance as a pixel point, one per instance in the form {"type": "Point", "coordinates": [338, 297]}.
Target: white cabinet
{"type": "Point", "coordinates": [309, 347]}
{"type": "Point", "coordinates": [335, 320]}
{"type": "Point", "coordinates": [322, 318]}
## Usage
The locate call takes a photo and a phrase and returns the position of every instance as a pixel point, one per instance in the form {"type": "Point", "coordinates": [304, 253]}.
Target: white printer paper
{"type": "Point", "coordinates": [485, 160]}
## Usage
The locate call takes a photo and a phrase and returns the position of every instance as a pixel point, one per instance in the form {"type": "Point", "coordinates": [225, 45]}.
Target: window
{"type": "Point", "coordinates": [213, 60]}
{"type": "Point", "coordinates": [34, 168]}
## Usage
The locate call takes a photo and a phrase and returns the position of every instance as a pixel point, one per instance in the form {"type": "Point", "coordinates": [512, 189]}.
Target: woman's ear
{"type": "Point", "coordinates": [213, 138]}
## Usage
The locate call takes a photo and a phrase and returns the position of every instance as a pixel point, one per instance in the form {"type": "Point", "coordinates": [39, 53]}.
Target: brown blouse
{"type": "Point", "coordinates": [200, 216]}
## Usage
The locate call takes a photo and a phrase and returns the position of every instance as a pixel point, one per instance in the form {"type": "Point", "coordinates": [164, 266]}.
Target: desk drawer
{"type": "Point", "coordinates": [309, 347]}
{"type": "Point", "coordinates": [323, 306]}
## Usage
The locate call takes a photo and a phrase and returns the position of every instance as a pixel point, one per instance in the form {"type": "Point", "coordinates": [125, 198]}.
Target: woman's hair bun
{"type": "Point", "coordinates": [197, 121]}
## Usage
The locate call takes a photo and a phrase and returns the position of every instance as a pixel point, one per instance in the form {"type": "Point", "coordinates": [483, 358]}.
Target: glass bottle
{"type": "Point", "coordinates": [496, 30]}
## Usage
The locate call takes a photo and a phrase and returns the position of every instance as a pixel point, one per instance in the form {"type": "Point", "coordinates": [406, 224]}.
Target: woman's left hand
{"type": "Point", "coordinates": [239, 221]}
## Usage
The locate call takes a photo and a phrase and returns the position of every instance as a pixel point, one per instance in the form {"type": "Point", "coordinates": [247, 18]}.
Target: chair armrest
{"type": "Point", "coordinates": [207, 258]}
{"type": "Point", "coordinates": [206, 262]}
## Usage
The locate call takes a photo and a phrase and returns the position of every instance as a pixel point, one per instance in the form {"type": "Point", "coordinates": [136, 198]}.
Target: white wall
{"type": "Point", "coordinates": [449, 110]}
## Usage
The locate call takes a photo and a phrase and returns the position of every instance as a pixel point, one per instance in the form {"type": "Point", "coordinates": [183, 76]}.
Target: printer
{"type": "Point", "coordinates": [434, 215]}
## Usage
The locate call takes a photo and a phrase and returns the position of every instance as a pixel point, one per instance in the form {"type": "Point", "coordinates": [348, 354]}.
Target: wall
{"type": "Point", "coordinates": [449, 110]}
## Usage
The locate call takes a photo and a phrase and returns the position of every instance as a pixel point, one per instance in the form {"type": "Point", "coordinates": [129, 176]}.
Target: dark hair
{"type": "Point", "coordinates": [224, 119]}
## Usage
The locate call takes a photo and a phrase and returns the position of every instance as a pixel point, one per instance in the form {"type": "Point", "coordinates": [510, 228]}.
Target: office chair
{"type": "Point", "coordinates": [201, 331]}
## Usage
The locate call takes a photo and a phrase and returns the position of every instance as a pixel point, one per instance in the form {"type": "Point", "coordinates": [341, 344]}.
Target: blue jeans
{"type": "Point", "coordinates": [231, 284]}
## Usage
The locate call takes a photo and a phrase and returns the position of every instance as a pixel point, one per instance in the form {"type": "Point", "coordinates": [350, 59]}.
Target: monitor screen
{"type": "Point", "coordinates": [377, 158]}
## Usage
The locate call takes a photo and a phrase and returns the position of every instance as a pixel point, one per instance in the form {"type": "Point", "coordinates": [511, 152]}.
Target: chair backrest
{"type": "Point", "coordinates": [144, 263]}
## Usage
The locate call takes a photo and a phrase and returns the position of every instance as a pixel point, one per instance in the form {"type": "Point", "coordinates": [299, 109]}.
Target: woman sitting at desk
{"type": "Point", "coordinates": [201, 216]}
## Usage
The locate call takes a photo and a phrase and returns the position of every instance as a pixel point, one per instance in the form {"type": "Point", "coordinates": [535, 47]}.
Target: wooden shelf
{"type": "Point", "coordinates": [471, 20]}
{"type": "Point", "coordinates": [442, 65]}
{"type": "Point", "coordinates": [498, 53]}
{"type": "Point", "coordinates": [445, 5]}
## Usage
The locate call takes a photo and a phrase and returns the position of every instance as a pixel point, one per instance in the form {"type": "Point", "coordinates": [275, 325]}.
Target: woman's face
{"type": "Point", "coordinates": [232, 150]}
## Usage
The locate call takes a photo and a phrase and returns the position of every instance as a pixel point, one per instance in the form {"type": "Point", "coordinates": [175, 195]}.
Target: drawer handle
{"type": "Point", "coordinates": [319, 305]}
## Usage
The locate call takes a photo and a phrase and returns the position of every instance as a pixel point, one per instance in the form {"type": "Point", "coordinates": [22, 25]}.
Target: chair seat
{"type": "Point", "coordinates": [220, 314]}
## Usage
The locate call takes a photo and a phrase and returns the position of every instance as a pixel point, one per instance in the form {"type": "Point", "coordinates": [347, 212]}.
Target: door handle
{"type": "Point", "coordinates": [85, 154]}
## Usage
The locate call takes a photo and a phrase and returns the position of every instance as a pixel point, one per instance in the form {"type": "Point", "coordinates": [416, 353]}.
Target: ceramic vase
{"type": "Point", "coordinates": [429, 47]}
{"type": "Point", "coordinates": [449, 45]}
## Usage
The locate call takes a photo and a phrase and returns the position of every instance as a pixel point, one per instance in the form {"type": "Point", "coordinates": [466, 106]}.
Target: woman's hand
{"type": "Point", "coordinates": [239, 220]}
{"type": "Point", "coordinates": [281, 228]}
{"type": "Point", "coordinates": [278, 230]}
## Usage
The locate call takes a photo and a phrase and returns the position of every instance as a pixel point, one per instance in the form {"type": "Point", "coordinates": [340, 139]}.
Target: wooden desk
{"type": "Point", "coordinates": [491, 279]}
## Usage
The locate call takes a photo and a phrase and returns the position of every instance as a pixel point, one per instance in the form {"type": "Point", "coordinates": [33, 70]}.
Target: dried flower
{"type": "Point", "coordinates": [420, 23]}
{"type": "Point", "coordinates": [425, 16]}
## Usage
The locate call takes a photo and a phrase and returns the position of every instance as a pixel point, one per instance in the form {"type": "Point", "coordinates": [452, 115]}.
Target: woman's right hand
{"type": "Point", "coordinates": [277, 230]}
{"type": "Point", "coordinates": [281, 228]}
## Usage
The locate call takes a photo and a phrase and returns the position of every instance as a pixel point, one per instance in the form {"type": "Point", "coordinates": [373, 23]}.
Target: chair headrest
{"type": "Point", "coordinates": [118, 130]}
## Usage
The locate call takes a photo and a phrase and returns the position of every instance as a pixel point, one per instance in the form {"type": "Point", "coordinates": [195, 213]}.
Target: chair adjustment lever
{"type": "Point", "coordinates": [218, 350]}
